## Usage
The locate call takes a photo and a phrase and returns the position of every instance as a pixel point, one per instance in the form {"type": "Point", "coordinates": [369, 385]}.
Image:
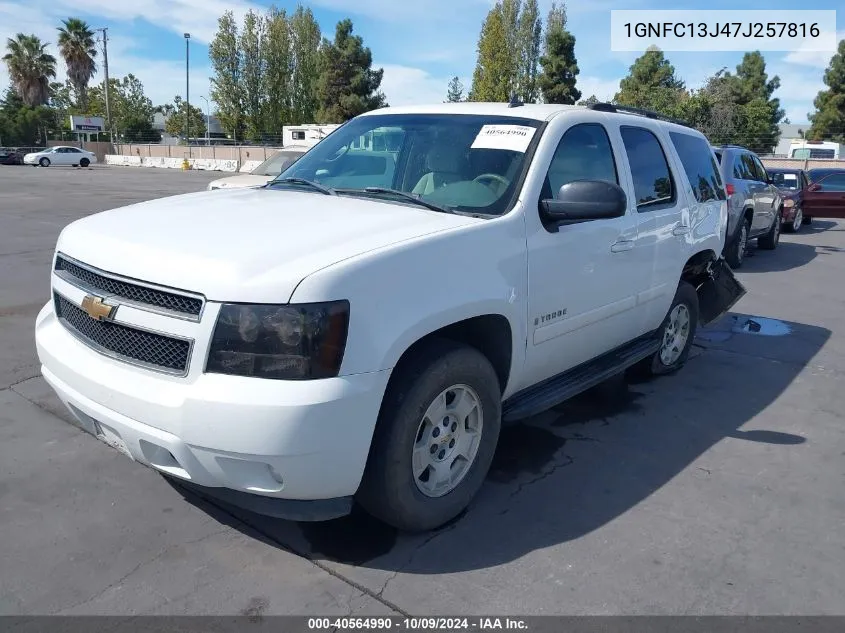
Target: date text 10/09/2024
{"type": "Point", "coordinates": [418, 624]}
{"type": "Point", "coordinates": [726, 29]}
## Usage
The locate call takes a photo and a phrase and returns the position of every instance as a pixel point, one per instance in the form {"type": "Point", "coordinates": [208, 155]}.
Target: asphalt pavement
{"type": "Point", "coordinates": [719, 490]}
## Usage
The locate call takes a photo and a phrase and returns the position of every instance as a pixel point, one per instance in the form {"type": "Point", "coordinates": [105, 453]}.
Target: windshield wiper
{"type": "Point", "coordinates": [309, 183]}
{"type": "Point", "coordinates": [410, 197]}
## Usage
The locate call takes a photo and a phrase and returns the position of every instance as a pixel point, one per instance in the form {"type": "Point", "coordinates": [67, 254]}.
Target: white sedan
{"type": "Point", "coordinates": [264, 173]}
{"type": "Point", "coordinates": [61, 155]}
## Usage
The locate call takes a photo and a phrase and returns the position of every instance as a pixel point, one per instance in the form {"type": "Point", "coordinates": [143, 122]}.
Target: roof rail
{"type": "Point", "coordinates": [610, 107]}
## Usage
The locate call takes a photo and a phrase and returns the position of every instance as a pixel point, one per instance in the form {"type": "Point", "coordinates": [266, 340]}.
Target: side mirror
{"type": "Point", "coordinates": [585, 200]}
{"type": "Point", "coordinates": [814, 187]}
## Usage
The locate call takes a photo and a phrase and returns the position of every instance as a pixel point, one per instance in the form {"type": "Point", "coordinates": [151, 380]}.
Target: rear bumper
{"type": "Point", "coordinates": [235, 438]}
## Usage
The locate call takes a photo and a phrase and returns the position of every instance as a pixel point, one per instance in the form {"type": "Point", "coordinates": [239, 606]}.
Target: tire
{"type": "Point", "coordinates": [44, 162]}
{"type": "Point", "coordinates": [808, 219]}
{"type": "Point", "coordinates": [735, 253]}
{"type": "Point", "coordinates": [84, 162]}
{"type": "Point", "coordinates": [770, 240]}
{"type": "Point", "coordinates": [390, 488]}
{"type": "Point", "coordinates": [797, 221]}
{"type": "Point", "coordinates": [677, 333]}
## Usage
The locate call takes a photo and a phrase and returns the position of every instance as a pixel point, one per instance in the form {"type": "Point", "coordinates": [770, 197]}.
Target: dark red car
{"type": "Point", "coordinates": [792, 184]}
{"type": "Point", "coordinates": [824, 197]}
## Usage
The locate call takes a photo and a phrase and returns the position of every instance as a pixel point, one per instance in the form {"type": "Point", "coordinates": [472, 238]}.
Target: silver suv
{"type": "Point", "coordinates": [755, 204]}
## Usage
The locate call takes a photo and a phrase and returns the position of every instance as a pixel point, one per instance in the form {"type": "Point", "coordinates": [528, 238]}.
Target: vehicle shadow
{"type": "Point", "coordinates": [573, 469]}
{"type": "Point", "coordinates": [789, 254]}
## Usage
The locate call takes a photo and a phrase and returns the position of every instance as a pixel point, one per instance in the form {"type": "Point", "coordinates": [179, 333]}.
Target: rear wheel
{"type": "Point", "coordinates": [770, 240]}
{"type": "Point", "coordinates": [434, 439]}
{"type": "Point", "coordinates": [735, 253]}
{"type": "Point", "coordinates": [44, 162]}
{"type": "Point", "coordinates": [676, 335]}
{"type": "Point", "coordinates": [84, 162]}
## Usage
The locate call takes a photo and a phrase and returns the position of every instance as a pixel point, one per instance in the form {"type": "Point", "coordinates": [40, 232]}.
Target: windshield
{"type": "Point", "coordinates": [467, 163]}
{"type": "Point", "coordinates": [274, 165]}
{"type": "Point", "coordinates": [784, 179]}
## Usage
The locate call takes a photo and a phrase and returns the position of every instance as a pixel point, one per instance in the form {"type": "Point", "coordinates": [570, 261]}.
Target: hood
{"type": "Point", "coordinates": [244, 180]}
{"type": "Point", "coordinates": [250, 245]}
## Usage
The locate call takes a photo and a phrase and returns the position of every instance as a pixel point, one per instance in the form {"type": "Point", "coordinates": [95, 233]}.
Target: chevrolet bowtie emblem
{"type": "Point", "coordinates": [96, 309]}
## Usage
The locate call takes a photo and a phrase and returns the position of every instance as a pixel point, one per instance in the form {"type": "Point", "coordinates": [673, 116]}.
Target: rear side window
{"type": "Point", "coordinates": [749, 170]}
{"type": "Point", "coordinates": [653, 185]}
{"type": "Point", "coordinates": [700, 166]}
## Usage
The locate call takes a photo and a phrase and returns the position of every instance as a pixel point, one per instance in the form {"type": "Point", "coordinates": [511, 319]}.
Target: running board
{"type": "Point", "coordinates": [558, 389]}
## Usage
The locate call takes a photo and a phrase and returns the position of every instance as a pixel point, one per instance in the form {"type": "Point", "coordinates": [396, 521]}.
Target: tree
{"type": "Point", "coordinates": [752, 89]}
{"type": "Point", "coordinates": [175, 124]}
{"type": "Point", "coordinates": [77, 47]}
{"type": "Point", "coordinates": [529, 32]}
{"type": "Point", "coordinates": [131, 109]}
{"type": "Point", "coordinates": [652, 84]}
{"type": "Point", "coordinates": [347, 85]}
{"type": "Point", "coordinates": [22, 124]}
{"type": "Point", "coordinates": [494, 68]}
{"type": "Point", "coordinates": [591, 100]}
{"type": "Point", "coordinates": [305, 60]}
{"type": "Point", "coordinates": [828, 121]}
{"type": "Point", "coordinates": [227, 66]}
{"type": "Point", "coordinates": [253, 73]}
{"type": "Point", "coordinates": [455, 91]}
{"type": "Point", "coordinates": [714, 112]}
{"type": "Point", "coordinates": [30, 68]}
{"type": "Point", "coordinates": [278, 69]}
{"type": "Point", "coordinates": [560, 69]}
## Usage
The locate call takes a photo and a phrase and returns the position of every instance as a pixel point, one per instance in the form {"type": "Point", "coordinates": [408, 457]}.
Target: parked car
{"type": "Point", "coordinates": [755, 205]}
{"type": "Point", "coordinates": [334, 336]}
{"type": "Point", "coordinates": [793, 185]}
{"type": "Point", "coordinates": [10, 156]}
{"type": "Point", "coordinates": [61, 155]}
{"type": "Point", "coordinates": [825, 195]}
{"type": "Point", "coordinates": [262, 174]}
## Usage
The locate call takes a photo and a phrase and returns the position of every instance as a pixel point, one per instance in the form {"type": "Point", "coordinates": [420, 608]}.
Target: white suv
{"type": "Point", "coordinates": [360, 327]}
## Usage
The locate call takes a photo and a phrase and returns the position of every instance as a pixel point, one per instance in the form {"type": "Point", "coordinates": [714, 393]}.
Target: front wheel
{"type": "Point", "coordinates": [435, 437]}
{"type": "Point", "coordinates": [770, 240]}
{"type": "Point", "coordinates": [676, 335]}
{"type": "Point", "coordinates": [84, 162]}
{"type": "Point", "coordinates": [44, 162]}
{"type": "Point", "coordinates": [797, 221]}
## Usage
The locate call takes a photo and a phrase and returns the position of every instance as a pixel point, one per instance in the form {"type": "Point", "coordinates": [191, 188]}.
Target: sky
{"type": "Point", "coordinates": [420, 44]}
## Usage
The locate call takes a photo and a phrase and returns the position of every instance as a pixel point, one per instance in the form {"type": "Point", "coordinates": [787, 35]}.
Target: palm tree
{"type": "Point", "coordinates": [30, 68]}
{"type": "Point", "coordinates": [78, 48]}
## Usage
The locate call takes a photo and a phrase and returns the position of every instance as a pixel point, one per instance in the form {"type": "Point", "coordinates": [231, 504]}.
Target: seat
{"type": "Point", "coordinates": [445, 164]}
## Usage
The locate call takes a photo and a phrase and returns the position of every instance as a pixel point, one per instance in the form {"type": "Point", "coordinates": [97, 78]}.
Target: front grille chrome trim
{"type": "Point", "coordinates": [178, 373]}
{"type": "Point", "coordinates": [120, 299]}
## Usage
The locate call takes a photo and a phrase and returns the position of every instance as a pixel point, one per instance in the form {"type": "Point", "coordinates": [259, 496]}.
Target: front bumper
{"type": "Point", "coordinates": [263, 444]}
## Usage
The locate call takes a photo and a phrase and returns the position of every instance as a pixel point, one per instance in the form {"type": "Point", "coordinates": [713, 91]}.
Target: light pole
{"type": "Point", "coordinates": [207, 120]}
{"type": "Point", "coordinates": [187, 93]}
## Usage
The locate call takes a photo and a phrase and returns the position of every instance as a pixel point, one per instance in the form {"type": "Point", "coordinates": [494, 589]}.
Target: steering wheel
{"type": "Point", "coordinates": [500, 179]}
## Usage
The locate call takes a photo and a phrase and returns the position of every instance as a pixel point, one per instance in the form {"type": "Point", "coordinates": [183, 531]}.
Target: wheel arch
{"type": "Point", "coordinates": [490, 333]}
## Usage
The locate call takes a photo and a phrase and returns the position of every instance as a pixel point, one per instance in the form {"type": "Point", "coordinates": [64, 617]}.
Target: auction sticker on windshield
{"type": "Point", "coordinates": [511, 137]}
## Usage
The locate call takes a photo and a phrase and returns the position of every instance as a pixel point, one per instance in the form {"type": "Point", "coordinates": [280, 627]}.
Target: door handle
{"type": "Point", "coordinates": [681, 229]}
{"type": "Point", "coordinates": [621, 246]}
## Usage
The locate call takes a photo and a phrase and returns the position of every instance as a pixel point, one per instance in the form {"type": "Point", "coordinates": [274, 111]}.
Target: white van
{"type": "Point", "coordinates": [804, 149]}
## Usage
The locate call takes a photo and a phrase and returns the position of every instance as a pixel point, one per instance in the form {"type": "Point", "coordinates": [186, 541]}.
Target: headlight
{"type": "Point", "coordinates": [284, 342]}
{"type": "Point", "coordinates": [789, 202]}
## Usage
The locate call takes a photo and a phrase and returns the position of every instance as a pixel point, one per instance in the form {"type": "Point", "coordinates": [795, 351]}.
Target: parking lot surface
{"type": "Point", "coordinates": [718, 490]}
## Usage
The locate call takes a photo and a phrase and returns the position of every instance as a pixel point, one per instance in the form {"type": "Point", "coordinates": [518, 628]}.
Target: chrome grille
{"type": "Point", "coordinates": [157, 298]}
{"type": "Point", "coordinates": [130, 344]}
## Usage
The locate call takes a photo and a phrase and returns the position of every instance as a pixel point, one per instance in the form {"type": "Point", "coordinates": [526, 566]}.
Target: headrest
{"type": "Point", "coordinates": [445, 158]}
